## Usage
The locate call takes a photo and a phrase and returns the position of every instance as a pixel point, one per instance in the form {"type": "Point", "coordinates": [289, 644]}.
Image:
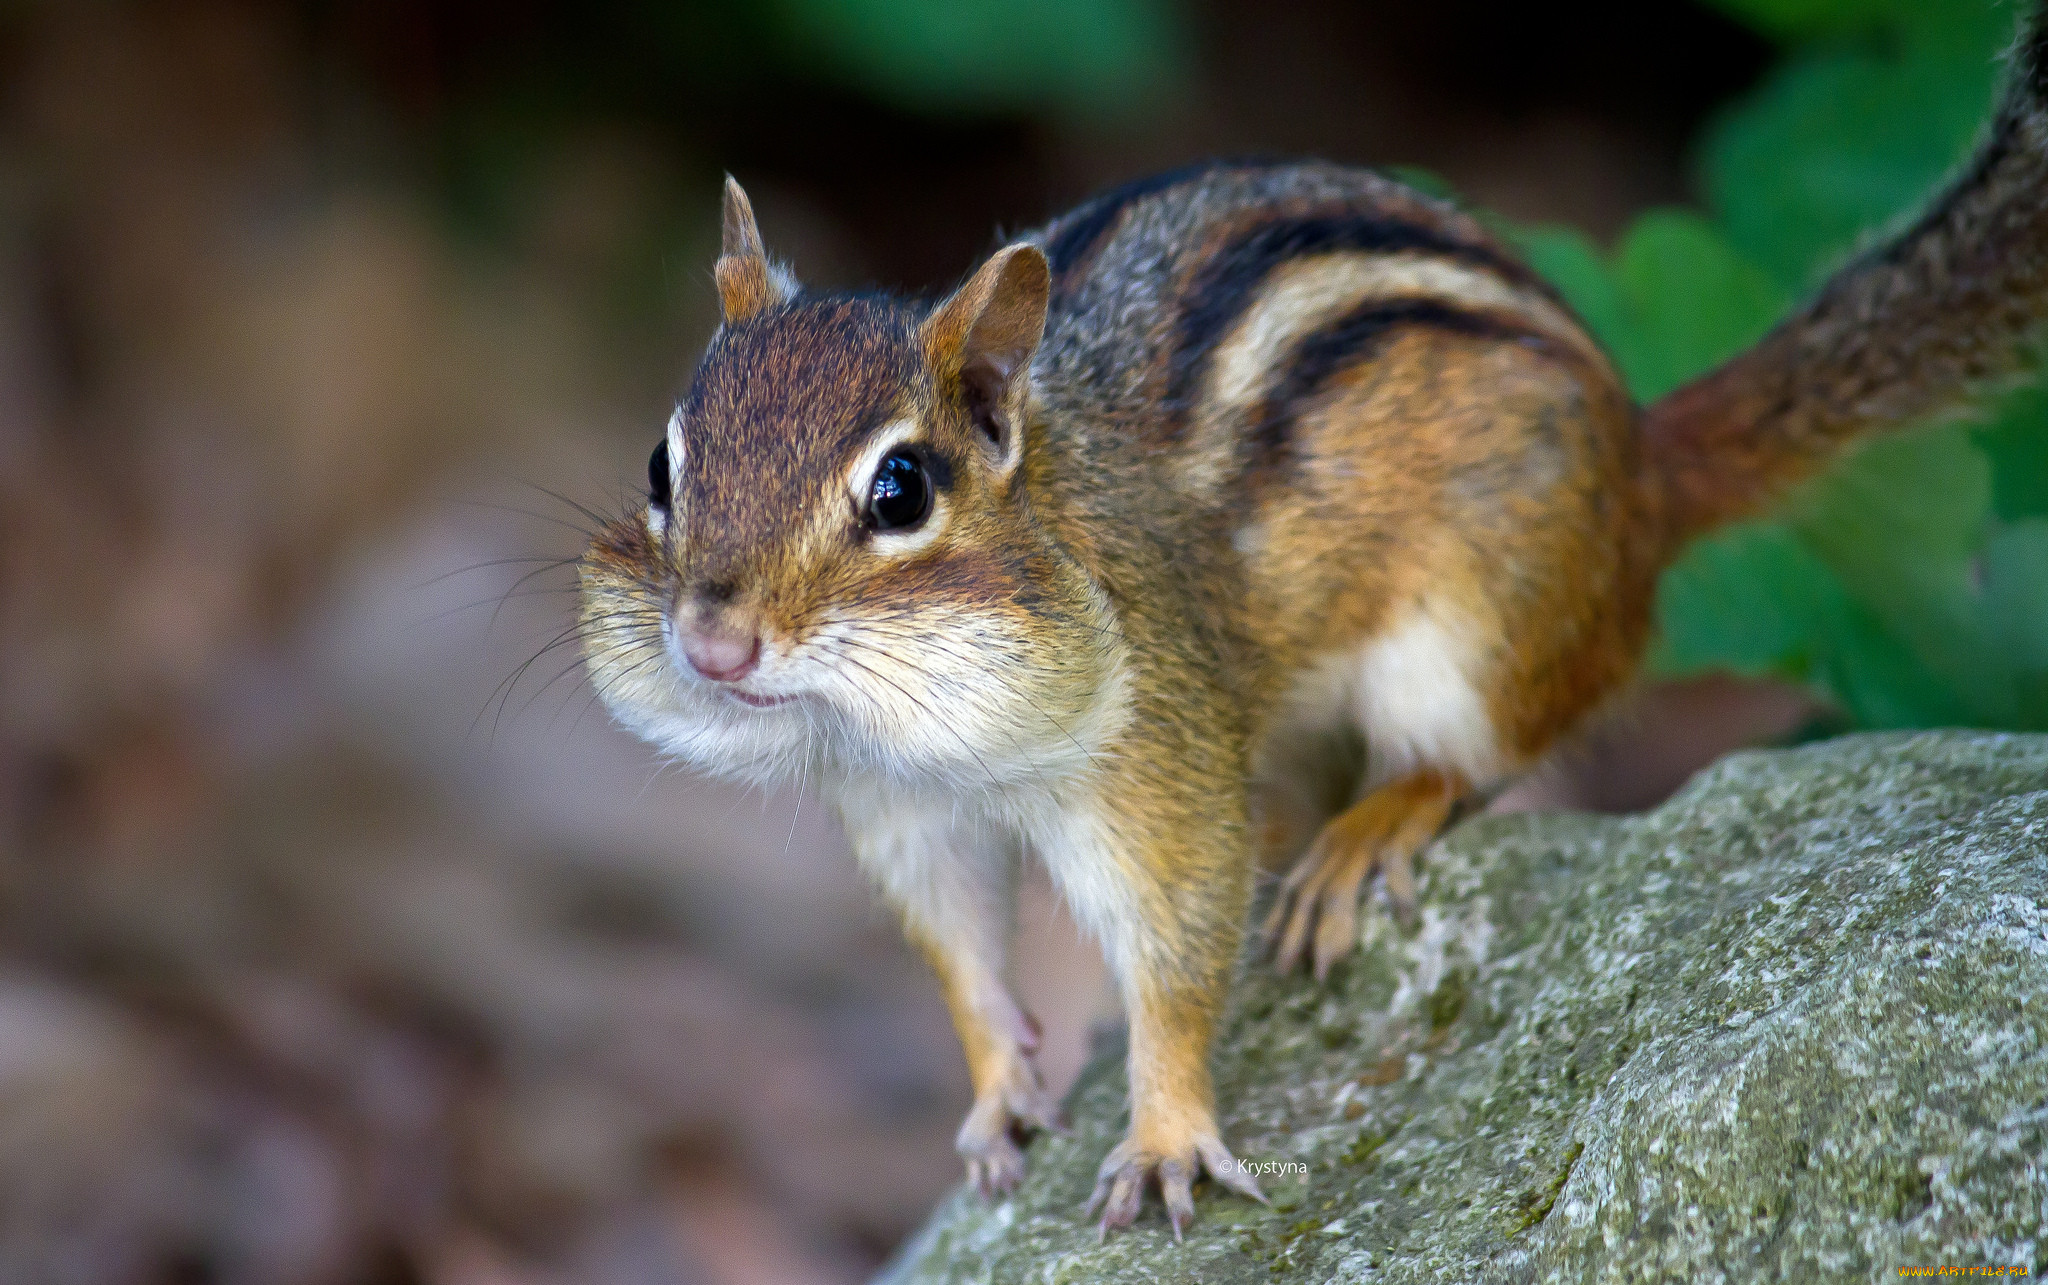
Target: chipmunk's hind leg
{"type": "Point", "coordinates": [1382, 831]}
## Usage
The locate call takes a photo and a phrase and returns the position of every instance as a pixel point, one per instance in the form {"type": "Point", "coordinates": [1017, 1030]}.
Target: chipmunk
{"type": "Point", "coordinates": [1093, 557]}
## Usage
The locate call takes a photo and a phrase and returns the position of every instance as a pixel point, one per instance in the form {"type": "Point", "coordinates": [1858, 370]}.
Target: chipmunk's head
{"type": "Point", "coordinates": [838, 563]}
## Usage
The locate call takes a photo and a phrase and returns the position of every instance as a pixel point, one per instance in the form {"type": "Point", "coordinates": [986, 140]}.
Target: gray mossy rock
{"type": "Point", "coordinates": [1791, 1026]}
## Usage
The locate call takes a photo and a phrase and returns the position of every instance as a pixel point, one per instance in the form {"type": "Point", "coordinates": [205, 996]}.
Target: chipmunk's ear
{"type": "Point", "coordinates": [747, 281]}
{"type": "Point", "coordinates": [981, 342]}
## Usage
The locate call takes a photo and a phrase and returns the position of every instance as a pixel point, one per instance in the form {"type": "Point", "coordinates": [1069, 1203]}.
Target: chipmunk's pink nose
{"type": "Point", "coordinates": [722, 658]}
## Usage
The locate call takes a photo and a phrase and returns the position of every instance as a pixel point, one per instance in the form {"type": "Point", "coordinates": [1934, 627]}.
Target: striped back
{"type": "Point", "coordinates": [1199, 307]}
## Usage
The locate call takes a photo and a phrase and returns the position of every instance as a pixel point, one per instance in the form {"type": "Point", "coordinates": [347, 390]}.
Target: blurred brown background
{"type": "Point", "coordinates": [329, 952]}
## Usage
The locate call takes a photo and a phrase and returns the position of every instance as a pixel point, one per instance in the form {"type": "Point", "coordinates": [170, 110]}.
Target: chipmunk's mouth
{"type": "Point", "coordinates": [758, 702]}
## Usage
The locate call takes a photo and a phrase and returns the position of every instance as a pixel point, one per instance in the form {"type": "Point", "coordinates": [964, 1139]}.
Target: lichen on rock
{"type": "Point", "coordinates": [1791, 1026]}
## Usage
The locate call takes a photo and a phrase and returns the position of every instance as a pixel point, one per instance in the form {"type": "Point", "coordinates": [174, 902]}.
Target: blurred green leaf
{"type": "Point", "coordinates": [1790, 19]}
{"type": "Point", "coordinates": [1082, 56]}
{"type": "Point", "coordinates": [1752, 599]}
{"type": "Point", "coordinates": [1900, 524]}
{"type": "Point", "coordinates": [1840, 141]}
{"type": "Point", "coordinates": [1694, 300]}
{"type": "Point", "coordinates": [1674, 299]}
{"type": "Point", "coordinates": [2016, 442]}
{"type": "Point", "coordinates": [1806, 19]}
{"type": "Point", "coordinates": [1757, 600]}
{"type": "Point", "coordinates": [1911, 583]}
{"type": "Point", "coordinates": [2016, 591]}
{"type": "Point", "coordinates": [2016, 586]}
{"type": "Point", "coordinates": [1878, 682]}
{"type": "Point", "coordinates": [1570, 261]}
{"type": "Point", "coordinates": [1427, 181]}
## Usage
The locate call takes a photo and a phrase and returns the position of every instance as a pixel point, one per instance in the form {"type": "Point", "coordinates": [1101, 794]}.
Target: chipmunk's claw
{"type": "Point", "coordinates": [1223, 1167]}
{"type": "Point", "coordinates": [1316, 913]}
{"type": "Point", "coordinates": [1176, 1188]}
{"type": "Point", "coordinates": [1119, 1191]}
{"type": "Point", "coordinates": [990, 1137]}
{"type": "Point", "coordinates": [1126, 1170]}
{"type": "Point", "coordinates": [997, 1168]}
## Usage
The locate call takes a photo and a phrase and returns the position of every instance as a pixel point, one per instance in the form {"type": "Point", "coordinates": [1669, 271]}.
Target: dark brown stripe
{"type": "Point", "coordinates": [1356, 337]}
{"type": "Point", "coordinates": [1229, 282]}
{"type": "Point", "coordinates": [1077, 233]}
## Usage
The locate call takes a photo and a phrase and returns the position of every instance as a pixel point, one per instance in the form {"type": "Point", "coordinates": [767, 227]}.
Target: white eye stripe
{"type": "Point", "coordinates": [898, 544]}
{"type": "Point", "coordinates": [861, 477]}
{"type": "Point", "coordinates": [672, 438]}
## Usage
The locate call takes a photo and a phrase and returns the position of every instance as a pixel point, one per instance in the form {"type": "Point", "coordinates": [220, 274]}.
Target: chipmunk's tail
{"type": "Point", "coordinates": [1908, 329]}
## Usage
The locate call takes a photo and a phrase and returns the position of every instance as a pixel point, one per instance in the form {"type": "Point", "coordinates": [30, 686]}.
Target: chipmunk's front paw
{"type": "Point", "coordinates": [1004, 1114]}
{"type": "Point", "coordinates": [1130, 1165]}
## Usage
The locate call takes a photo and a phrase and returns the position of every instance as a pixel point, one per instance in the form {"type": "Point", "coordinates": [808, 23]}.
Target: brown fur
{"type": "Point", "coordinates": [1233, 467]}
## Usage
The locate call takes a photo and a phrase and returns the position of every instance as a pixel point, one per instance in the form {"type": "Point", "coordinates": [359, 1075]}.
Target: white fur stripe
{"type": "Point", "coordinates": [1308, 294]}
{"type": "Point", "coordinates": [1304, 295]}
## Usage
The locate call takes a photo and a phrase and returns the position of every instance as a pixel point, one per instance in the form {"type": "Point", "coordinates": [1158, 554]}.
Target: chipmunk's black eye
{"type": "Point", "coordinates": [901, 494]}
{"type": "Point", "coordinates": [657, 477]}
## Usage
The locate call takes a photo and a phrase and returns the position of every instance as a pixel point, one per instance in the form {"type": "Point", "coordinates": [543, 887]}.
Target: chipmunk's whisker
{"type": "Point", "coordinates": [946, 647]}
{"type": "Point", "coordinates": [552, 562]}
{"type": "Point", "coordinates": [838, 646]}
